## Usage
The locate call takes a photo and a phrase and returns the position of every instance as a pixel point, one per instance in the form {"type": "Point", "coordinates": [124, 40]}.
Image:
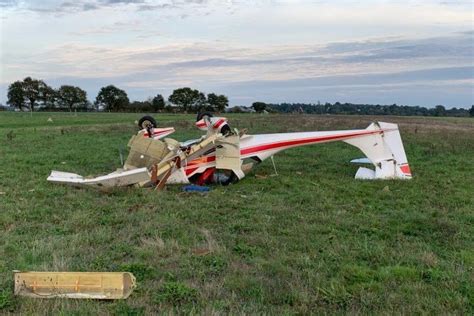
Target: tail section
{"type": "Point", "coordinates": [384, 150]}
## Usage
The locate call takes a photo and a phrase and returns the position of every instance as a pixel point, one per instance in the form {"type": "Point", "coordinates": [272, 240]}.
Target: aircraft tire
{"type": "Point", "coordinates": [146, 121]}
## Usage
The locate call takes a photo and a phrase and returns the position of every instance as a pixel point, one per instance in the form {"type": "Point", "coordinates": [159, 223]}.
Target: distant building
{"type": "Point", "coordinates": [6, 108]}
{"type": "Point", "coordinates": [240, 109]}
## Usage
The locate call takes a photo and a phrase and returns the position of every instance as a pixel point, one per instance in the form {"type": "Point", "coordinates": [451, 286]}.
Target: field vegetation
{"type": "Point", "coordinates": [311, 239]}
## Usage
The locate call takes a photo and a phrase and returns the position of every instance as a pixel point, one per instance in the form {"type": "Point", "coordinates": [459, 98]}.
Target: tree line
{"type": "Point", "coordinates": [34, 94]}
{"type": "Point", "coordinates": [369, 109]}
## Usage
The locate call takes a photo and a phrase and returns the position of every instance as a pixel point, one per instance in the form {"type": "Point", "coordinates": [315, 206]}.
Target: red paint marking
{"type": "Point", "coordinates": [286, 143]}
{"type": "Point", "coordinates": [197, 163]}
{"type": "Point", "coordinates": [189, 171]}
{"type": "Point", "coordinates": [205, 176]}
{"type": "Point", "coordinates": [201, 160]}
{"type": "Point", "coordinates": [219, 123]}
{"type": "Point", "coordinates": [201, 124]}
{"type": "Point", "coordinates": [405, 169]}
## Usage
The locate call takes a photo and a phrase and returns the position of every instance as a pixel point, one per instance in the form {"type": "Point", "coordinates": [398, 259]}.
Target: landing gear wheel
{"type": "Point", "coordinates": [147, 122]}
{"type": "Point", "coordinates": [200, 116]}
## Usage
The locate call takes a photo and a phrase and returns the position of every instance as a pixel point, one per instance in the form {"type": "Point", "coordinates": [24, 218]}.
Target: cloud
{"type": "Point", "coordinates": [459, 47]}
{"type": "Point", "coordinates": [89, 6]}
{"type": "Point", "coordinates": [429, 93]}
{"type": "Point", "coordinates": [64, 7]}
{"type": "Point", "coordinates": [279, 61]}
{"type": "Point", "coordinates": [75, 7]}
{"type": "Point", "coordinates": [131, 26]}
{"type": "Point", "coordinates": [8, 3]}
{"type": "Point", "coordinates": [153, 7]}
{"type": "Point", "coordinates": [289, 60]}
{"type": "Point", "coordinates": [404, 78]}
{"type": "Point", "coordinates": [123, 1]}
{"type": "Point", "coordinates": [336, 70]}
{"type": "Point", "coordinates": [57, 7]}
{"type": "Point", "coordinates": [69, 7]}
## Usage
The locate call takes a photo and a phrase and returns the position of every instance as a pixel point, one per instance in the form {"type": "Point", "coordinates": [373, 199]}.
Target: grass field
{"type": "Point", "coordinates": [310, 240]}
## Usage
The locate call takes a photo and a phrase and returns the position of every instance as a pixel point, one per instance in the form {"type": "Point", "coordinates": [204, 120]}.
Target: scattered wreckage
{"type": "Point", "coordinates": [88, 285]}
{"type": "Point", "coordinates": [225, 155]}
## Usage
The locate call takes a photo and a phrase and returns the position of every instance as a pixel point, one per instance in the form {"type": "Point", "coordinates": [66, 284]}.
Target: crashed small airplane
{"type": "Point", "coordinates": [225, 155]}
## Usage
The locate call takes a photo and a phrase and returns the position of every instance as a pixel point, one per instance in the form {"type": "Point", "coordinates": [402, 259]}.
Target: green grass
{"type": "Point", "coordinates": [310, 240]}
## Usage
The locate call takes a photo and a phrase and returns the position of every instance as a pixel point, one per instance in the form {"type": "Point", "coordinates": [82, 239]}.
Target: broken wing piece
{"type": "Point", "coordinates": [89, 285]}
{"type": "Point", "coordinates": [114, 179]}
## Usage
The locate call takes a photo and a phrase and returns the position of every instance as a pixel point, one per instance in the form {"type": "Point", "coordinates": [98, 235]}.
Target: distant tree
{"type": "Point", "coordinates": [218, 102]}
{"type": "Point", "coordinates": [32, 89]}
{"type": "Point", "coordinates": [71, 96]}
{"type": "Point", "coordinates": [393, 109]}
{"type": "Point", "coordinates": [48, 96]}
{"type": "Point", "coordinates": [140, 106]}
{"type": "Point", "coordinates": [170, 109]}
{"type": "Point", "coordinates": [16, 96]}
{"type": "Point", "coordinates": [439, 110]}
{"type": "Point", "coordinates": [112, 98]}
{"type": "Point", "coordinates": [368, 109]}
{"type": "Point", "coordinates": [259, 106]}
{"type": "Point", "coordinates": [188, 99]}
{"type": "Point", "coordinates": [158, 103]}
{"type": "Point", "coordinates": [471, 111]}
{"type": "Point", "coordinates": [202, 104]}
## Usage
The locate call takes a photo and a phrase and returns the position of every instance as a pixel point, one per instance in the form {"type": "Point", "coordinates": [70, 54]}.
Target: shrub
{"type": "Point", "coordinates": [176, 293]}
{"type": "Point", "coordinates": [140, 271]}
{"type": "Point", "coordinates": [6, 300]}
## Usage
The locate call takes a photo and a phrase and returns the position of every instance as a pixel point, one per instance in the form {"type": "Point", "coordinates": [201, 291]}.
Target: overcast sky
{"type": "Point", "coordinates": [411, 52]}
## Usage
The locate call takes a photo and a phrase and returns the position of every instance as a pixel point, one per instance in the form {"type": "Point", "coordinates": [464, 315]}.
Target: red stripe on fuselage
{"type": "Point", "coordinates": [287, 143]}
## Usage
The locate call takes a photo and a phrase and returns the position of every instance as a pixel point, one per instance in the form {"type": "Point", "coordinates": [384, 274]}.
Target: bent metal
{"type": "Point", "coordinates": [225, 155]}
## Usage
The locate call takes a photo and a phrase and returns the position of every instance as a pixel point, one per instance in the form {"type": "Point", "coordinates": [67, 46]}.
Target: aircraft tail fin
{"type": "Point", "coordinates": [385, 151]}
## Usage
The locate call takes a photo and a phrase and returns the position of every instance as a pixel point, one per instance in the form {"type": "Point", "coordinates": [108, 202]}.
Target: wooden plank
{"type": "Point", "coordinates": [91, 285]}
